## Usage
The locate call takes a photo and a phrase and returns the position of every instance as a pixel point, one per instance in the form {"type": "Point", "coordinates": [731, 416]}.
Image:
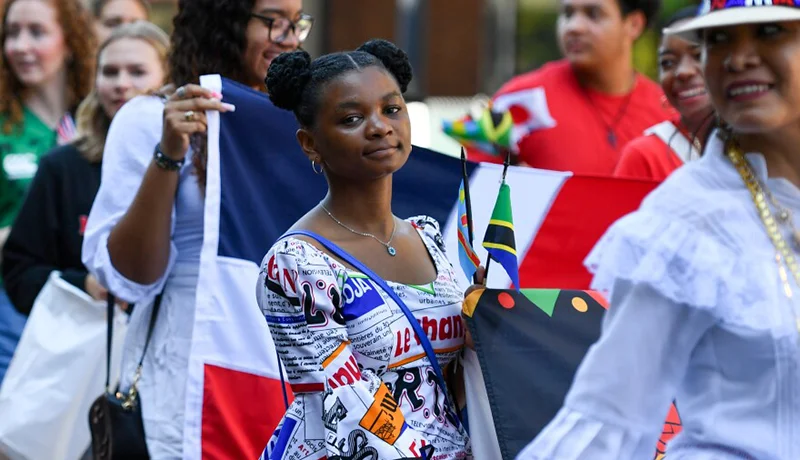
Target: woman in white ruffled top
{"type": "Point", "coordinates": [703, 279]}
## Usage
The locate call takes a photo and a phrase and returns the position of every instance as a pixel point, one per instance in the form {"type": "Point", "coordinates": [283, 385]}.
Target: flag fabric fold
{"type": "Point", "coordinates": [499, 240]}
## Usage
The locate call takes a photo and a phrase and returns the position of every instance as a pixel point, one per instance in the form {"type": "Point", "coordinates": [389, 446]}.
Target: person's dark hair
{"type": "Point", "coordinates": [204, 43]}
{"type": "Point", "coordinates": [687, 12]}
{"type": "Point", "coordinates": [650, 9]}
{"type": "Point", "coordinates": [295, 82]}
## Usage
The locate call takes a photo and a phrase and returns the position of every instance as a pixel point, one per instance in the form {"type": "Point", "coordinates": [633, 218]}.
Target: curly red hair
{"type": "Point", "coordinates": [76, 24]}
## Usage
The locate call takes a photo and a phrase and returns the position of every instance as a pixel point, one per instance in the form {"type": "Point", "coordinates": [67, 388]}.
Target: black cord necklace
{"type": "Point", "coordinates": [611, 130]}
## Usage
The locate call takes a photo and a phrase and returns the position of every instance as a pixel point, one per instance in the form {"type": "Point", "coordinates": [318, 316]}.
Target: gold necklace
{"type": "Point", "coordinates": [762, 198]}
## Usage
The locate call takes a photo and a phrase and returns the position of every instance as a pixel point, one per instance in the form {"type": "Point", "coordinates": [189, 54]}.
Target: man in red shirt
{"type": "Point", "coordinates": [576, 114]}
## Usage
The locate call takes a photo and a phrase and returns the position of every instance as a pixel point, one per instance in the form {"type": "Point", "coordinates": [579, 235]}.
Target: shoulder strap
{"type": "Point", "coordinates": [110, 303]}
{"type": "Point", "coordinates": [675, 140]}
{"type": "Point", "coordinates": [423, 338]}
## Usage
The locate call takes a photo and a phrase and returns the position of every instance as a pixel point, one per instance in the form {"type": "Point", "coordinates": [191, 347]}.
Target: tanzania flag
{"type": "Point", "coordinates": [499, 238]}
{"type": "Point", "coordinates": [466, 255]}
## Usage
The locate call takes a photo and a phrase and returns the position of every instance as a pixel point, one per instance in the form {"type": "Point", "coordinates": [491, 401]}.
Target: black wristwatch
{"type": "Point", "coordinates": [165, 162]}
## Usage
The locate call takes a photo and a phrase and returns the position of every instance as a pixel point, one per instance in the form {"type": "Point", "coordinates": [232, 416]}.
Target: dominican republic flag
{"type": "Point", "coordinates": [259, 183]}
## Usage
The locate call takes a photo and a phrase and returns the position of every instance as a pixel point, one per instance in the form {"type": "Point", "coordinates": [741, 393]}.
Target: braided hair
{"type": "Point", "coordinates": [295, 82]}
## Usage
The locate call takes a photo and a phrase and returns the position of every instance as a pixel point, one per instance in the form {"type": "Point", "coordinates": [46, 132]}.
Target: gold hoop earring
{"type": "Point", "coordinates": [314, 167]}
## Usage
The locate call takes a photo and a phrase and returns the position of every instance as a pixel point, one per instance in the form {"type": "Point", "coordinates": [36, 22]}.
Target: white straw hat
{"type": "Point", "coordinates": [721, 13]}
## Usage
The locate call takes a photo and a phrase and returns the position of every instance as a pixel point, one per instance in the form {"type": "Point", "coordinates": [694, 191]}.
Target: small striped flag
{"type": "Point", "coordinates": [466, 254]}
{"type": "Point", "coordinates": [499, 238]}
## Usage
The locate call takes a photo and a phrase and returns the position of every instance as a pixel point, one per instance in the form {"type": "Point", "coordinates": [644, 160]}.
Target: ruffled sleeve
{"type": "Point", "coordinates": [666, 284]}
{"type": "Point", "coordinates": [300, 293]}
{"type": "Point", "coordinates": [684, 262]}
{"type": "Point", "coordinates": [133, 134]}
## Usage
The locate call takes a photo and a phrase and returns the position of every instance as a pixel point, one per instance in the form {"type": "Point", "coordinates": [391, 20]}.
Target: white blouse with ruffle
{"type": "Point", "coordinates": [698, 314]}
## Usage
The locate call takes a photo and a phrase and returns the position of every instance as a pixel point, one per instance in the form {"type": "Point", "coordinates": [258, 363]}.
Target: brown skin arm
{"type": "Point", "coordinates": [139, 244]}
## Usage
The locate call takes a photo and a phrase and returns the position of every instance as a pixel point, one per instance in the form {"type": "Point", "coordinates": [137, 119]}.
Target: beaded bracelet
{"type": "Point", "coordinates": [165, 162]}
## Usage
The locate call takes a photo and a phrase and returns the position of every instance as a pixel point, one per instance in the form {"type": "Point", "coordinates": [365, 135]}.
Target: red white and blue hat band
{"type": "Point", "coordinates": [723, 13]}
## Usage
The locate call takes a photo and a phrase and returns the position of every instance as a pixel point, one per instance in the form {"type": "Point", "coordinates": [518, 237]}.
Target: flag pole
{"type": "Point", "coordinates": [467, 201]}
{"type": "Point", "coordinates": [506, 163]}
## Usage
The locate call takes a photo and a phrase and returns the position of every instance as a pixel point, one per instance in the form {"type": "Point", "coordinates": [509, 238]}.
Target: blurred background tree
{"type": "Point", "coordinates": [162, 13]}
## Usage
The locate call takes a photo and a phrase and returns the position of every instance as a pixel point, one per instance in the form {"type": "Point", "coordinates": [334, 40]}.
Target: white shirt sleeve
{"type": "Point", "coordinates": [623, 389]}
{"type": "Point", "coordinates": [134, 133]}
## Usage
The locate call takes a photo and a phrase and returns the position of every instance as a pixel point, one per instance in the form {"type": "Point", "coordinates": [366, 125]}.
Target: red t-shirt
{"type": "Point", "coordinates": [567, 126]}
{"type": "Point", "coordinates": [649, 156]}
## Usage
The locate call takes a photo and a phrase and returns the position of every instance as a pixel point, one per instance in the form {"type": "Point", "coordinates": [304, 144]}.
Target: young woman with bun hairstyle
{"type": "Point", "coordinates": [363, 384]}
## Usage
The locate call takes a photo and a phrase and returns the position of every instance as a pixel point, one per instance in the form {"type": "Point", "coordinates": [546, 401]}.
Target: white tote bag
{"type": "Point", "coordinates": [57, 371]}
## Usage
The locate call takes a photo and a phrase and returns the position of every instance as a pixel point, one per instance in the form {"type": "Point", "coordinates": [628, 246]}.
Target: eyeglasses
{"type": "Point", "coordinates": [279, 27]}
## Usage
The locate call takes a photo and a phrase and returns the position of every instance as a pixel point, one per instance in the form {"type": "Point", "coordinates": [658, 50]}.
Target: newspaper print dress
{"type": "Point", "coordinates": [364, 388]}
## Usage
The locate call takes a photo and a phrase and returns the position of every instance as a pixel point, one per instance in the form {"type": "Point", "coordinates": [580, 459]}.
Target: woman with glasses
{"type": "Point", "coordinates": [145, 230]}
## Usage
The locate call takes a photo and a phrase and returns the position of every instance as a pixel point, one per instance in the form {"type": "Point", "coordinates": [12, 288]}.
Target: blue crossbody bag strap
{"type": "Point", "coordinates": [423, 338]}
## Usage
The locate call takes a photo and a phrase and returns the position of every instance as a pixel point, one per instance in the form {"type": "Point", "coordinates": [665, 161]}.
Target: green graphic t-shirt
{"type": "Point", "coordinates": [20, 151]}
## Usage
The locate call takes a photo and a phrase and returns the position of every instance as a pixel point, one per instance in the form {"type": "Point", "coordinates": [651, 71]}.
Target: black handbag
{"type": "Point", "coordinates": [115, 419]}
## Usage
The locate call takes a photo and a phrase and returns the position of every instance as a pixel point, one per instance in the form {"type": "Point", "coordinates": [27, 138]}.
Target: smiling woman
{"type": "Point", "coordinates": [354, 386]}
{"type": "Point", "coordinates": [669, 144]}
{"type": "Point", "coordinates": [710, 260]}
{"type": "Point", "coordinates": [45, 70]}
{"type": "Point", "coordinates": [48, 233]}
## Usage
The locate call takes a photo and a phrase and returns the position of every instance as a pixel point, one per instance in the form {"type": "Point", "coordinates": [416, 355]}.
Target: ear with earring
{"type": "Point", "coordinates": [314, 163]}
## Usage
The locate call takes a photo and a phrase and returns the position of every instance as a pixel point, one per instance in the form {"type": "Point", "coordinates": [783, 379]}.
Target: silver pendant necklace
{"type": "Point", "coordinates": [388, 245]}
